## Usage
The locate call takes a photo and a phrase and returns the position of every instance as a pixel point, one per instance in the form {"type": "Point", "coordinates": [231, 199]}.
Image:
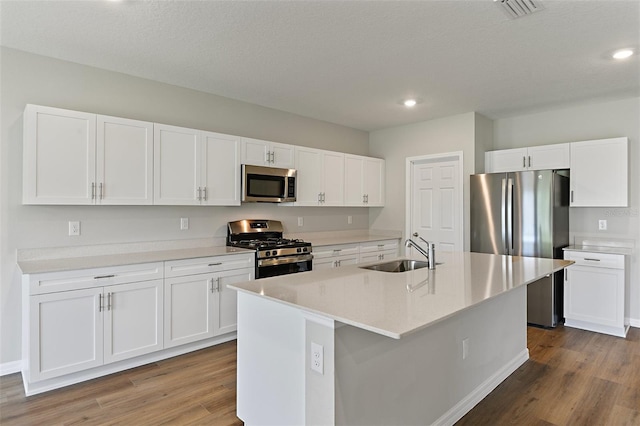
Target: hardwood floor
{"type": "Point", "coordinates": [573, 377]}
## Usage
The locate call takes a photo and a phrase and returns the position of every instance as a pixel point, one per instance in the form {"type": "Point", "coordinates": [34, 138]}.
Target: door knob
{"type": "Point", "coordinates": [415, 234]}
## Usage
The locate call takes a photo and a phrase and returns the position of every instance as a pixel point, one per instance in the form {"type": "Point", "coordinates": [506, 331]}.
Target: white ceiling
{"type": "Point", "coordinates": [348, 62]}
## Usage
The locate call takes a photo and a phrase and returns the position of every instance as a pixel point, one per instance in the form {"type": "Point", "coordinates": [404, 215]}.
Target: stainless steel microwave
{"type": "Point", "coordinates": [268, 184]}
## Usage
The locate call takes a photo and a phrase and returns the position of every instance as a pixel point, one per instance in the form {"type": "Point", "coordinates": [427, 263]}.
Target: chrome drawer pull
{"type": "Point", "coordinates": [592, 260]}
{"type": "Point", "coordinates": [215, 264]}
{"type": "Point", "coordinates": [99, 277]}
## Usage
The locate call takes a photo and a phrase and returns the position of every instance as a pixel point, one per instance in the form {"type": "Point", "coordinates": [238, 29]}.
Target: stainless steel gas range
{"type": "Point", "coordinates": [275, 255]}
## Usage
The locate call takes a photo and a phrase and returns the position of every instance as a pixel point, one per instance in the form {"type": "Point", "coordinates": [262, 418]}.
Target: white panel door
{"type": "Point", "coordinates": [282, 155]}
{"type": "Point", "coordinates": [374, 181]}
{"type": "Point", "coordinates": [176, 153]}
{"type": "Point", "coordinates": [332, 178]}
{"type": "Point", "coordinates": [309, 177]}
{"type": "Point", "coordinates": [124, 161]}
{"type": "Point", "coordinates": [354, 180]}
{"type": "Point", "coordinates": [189, 309]}
{"type": "Point", "coordinates": [66, 333]}
{"type": "Point", "coordinates": [221, 169]}
{"type": "Point", "coordinates": [594, 295]}
{"type": "Point", "coordinates": [436, 208]}
{"type": "Point", "coordinates": [59, 156]}
{"type": "Point", "coordinates": [225, 299]}
{"type": "Point", "coordinates": [133, 320]}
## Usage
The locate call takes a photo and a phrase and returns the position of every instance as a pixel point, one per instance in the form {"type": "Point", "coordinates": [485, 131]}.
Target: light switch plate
{"type": "Point", "coordinates": [184, 223]}
{"type": "Point", "coordinates": [602, 225]}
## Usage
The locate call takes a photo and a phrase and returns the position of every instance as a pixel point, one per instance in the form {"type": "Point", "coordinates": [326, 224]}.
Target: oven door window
{"type": "Point", "coordinates": [265, 186]}
{"type": "Point", "coordinates": [288, 268]}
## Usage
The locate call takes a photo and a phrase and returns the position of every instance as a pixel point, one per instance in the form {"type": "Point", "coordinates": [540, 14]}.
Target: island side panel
{"type": "Point", "coordinates": [422, 378]}
{"type": "Point", "coordinates": [271, 362]}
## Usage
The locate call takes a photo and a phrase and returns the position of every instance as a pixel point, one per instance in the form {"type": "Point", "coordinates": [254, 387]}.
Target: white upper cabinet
{"type": "Point", "coordinates": [176, 165]}
{"type": "Point", "coordinates": [364, 181]}
{"type": "Point", "coordinates": [599, 173]}
{"type": "Point", "coordinates": [194, 167]}
{"type": "Point", "coordinates": [320, 177]}
{"type": "Point", "coordinates": [73, 157]}
{"type": "Point", "coordinates": [220, 178]}
{"type": "Point", "coordinates": [545, 157]}
{"type": "Point", "coordinates": [124, 161]}
{"type": "Point", "coordinates": [264, 153]}
{"type": "Point", "coordinates": [59, 156]}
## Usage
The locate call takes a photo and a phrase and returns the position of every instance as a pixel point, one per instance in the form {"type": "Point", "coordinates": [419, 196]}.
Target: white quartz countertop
{"type": "Point", "coordinates": [396, 304]}
{"type": "Point", "coordinates": [100, 261]}
{"type": "Point", "coordinates": [600, 249]}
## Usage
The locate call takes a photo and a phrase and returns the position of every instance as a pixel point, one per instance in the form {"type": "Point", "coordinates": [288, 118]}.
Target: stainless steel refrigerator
{"type": "Point", "coordinates": [524, 214]}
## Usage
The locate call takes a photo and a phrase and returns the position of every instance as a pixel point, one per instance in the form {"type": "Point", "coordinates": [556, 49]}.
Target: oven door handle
{"type": "Point", "coordinates": [284, 260]}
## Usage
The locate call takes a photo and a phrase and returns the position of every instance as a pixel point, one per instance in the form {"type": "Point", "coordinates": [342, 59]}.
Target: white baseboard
{"type": "Point", "coordinates": [634, 322]}
{"type": "Point", "coordinates": [478, 394]}
{"type": "Point", "coordinates": [10, 367]}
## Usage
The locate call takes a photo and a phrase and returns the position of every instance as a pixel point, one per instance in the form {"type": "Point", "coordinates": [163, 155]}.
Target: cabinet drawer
{"type": "Point", "coordinates": [203, 265]}
{"type": "Point", "coordinates": [336, 250]}
{"type": "Point", "coordinates": [599, 260]}
{"type": "Point", "coordinates": [95, 277]}
{"type": "Point", "coordinates": [379, 246]}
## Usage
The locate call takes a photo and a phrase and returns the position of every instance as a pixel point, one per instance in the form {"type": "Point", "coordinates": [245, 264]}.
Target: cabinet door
{"type": "Point", "coordinates": [374, 182]}
{"type": "Point", "coordinates": [66, 333]}
{"type": "Point", "coordinates": [225, 299]}
{"type": "Point", "coordinates": [506, 160]}
{"type": "Point", "coordinates": [309, 177]}
{"type": "Point", "coordinates": [124, 161]}
{"type": "Point", "coordinates": [220, 170]}
{"type": "Point", "coordinates": [599, 173]}
{"type": "Point", "coordinates": [354, 192]}
{"type": "Point", "coordinates": [282, 155]}
{"type": "Point", "coordinates": [325, 263]}
{"type": "Point", "coordinates": [594, 295]}
{"type": "Point", "coordinates": [332, 179]}
{"type": "Point", "coordinates": [176, 153]}
{"type": "Point", "coordinates": [549, 157]}
{"type": "Point", "coordinates": [133, 320]}
{"type": "Point", "coordinates": [255, 152]}
{"type": "Point", "coordinates": [59, 156]}
{"type": "Point", "coordinates": [189, 309]}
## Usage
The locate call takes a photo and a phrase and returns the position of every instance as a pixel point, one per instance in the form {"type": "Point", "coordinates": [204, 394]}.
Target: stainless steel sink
{"type": "Point", "coordinates": [400, 265]}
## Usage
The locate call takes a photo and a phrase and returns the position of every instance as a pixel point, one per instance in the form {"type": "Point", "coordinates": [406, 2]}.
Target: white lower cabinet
{"type": "Point", "coordinates": [201, 306]}
{"type": "Point", "coordinates": [595, 291]}
{"type": "Point", "coordinates": [82, 324]}
{"type": "Point", "coordinates": [327, 257]}
{"type": "Point", "coordinates": [75, 330]}
{"type": "Point", "coordinates": [379, 250]}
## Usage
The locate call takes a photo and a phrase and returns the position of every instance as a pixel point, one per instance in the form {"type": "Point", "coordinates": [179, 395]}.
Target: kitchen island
{"type": "Point", "coordinates": [356, 346]}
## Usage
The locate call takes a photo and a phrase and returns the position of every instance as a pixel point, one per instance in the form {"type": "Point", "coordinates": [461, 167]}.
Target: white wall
{"type": "Point", "coordinates": [27, 78]}
{"type": "Point", "coordinates": [470, 133]}
{"type": "Point", "coordinates": [595, 120]}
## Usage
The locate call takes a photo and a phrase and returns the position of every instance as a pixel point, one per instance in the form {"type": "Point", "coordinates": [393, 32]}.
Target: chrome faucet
{"type": "Point", "coordinates": [430, 254]}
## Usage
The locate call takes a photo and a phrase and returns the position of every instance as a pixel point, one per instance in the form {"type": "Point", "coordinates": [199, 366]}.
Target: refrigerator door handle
{"type": "Point", "coordinates": [509, 216]}
{"type": "Point", "coordinates": [504, 216]}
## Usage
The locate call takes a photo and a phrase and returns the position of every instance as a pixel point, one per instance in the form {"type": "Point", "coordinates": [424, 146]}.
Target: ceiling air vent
{"type": "Point", "coordinates": [519, 8]}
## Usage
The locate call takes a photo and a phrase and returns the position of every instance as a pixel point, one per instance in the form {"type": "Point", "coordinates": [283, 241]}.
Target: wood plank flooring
{"type": "Point", "coordinates": [573, 377]}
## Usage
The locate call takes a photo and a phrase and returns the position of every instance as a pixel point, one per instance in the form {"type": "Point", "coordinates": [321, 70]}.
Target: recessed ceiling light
{"type": "Point", "coordinates": [410, 103]}
{"type": "Point", "coordinates": [622, 53]}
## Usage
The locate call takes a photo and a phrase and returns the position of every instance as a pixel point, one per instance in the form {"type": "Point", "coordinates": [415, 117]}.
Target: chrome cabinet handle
{"type": "Point", "coordinates": [273, 157]}
{"type": "Point", "coordinates": [99, 277]}
{"type": "Point", "coordinates": [319, 197]}
{"type": "Point", "coordinates": [591, 259]}
{"type": "Point", "coordinates": [215, 264]}
{"type": "Point", "coordinates": [211, 284]}
{"type": "Point", "coordinates": [367, 198]}
{"type": "Point", "coordinates": [109, 305]}
{"type": "Point", "coordinates": [529, 161]}
{"type": "Point", "coordinates": [100, 302]}
{"type": "Point", "coordinates": [363, 199]}
{"type": "Point", "coordinates": [204, 193]}
{"type": "Point", "coordinates": [268, 157]}
{"type": "Point", "coordinates": [524, 162]}
{"type": "Point", "coordinates": [198, 193]}
{"type": "Point", "coordinates": [100, 191]}
{"type": "Point", "coordinates": [572, 196]}
{"type": "Point", "coordinates": [93, 190]}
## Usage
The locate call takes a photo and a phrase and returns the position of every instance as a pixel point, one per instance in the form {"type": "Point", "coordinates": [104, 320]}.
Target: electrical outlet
{"type": "Point", "coordinates": [602, 225]}
{"type": "Point", "coordinates": [74, 228]}
{"type": "Point", "coordinates": [465, 348]}
{"type": "Point", "coordinates": [184, 223]}
{"type": "Point", "coordinates": [349, 220]}
{"type": "Point", "coordinates": [300, 221]}
{"type": "Point", "coordinates": [317, 358]}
